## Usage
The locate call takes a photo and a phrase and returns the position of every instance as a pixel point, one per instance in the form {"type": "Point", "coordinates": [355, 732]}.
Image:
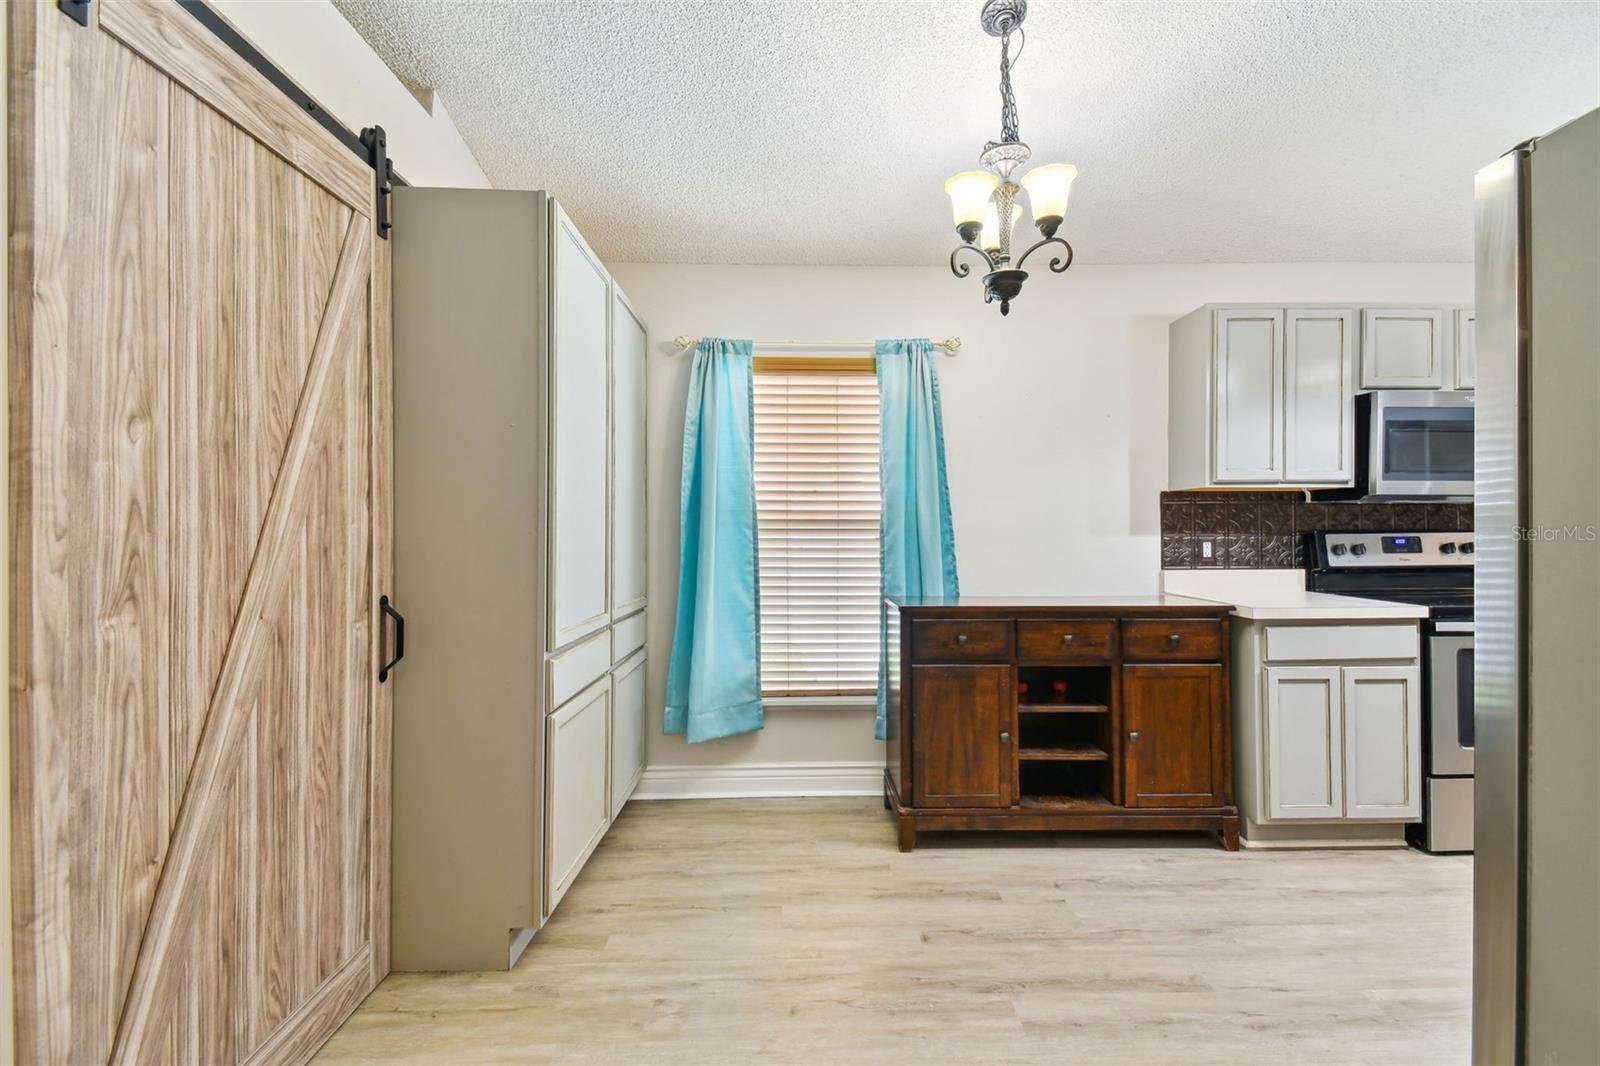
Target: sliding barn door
{"type": "Point", "coordinates": [199, 398]}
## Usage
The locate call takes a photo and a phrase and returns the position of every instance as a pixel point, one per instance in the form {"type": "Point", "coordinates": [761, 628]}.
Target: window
{"type": "Point", "coordinates": [817, 504]}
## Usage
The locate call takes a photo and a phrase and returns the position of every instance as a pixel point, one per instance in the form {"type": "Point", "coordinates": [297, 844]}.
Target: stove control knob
{"type": "Point", "coordinates": [1358, 549]}
{"type": "Point", "coordinates": [1467, 548]}
{"type": "Point", "coordinates": [1448, 548]}
{"type": "Point", "coordinates": [1336, 549]}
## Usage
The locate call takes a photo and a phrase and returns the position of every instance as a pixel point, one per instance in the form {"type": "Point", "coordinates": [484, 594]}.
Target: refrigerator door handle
{"type": "Point", "coordinates": [1465, 720]}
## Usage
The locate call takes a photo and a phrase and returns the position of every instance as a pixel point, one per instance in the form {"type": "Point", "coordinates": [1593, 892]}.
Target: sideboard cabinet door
{"type": "Point", "coordinates": [962, 744]}
{"type": "Point", "coordinates": [1173, 717]}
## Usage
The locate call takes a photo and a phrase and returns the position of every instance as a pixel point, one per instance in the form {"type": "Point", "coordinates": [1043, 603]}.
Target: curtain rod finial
{"type": "Point", "coordinates": [683, 343]}
{"type": "Point", "coordinates": [951, 344]}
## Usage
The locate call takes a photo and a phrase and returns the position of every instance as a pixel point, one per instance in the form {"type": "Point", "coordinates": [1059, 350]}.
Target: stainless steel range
{"type": "Point", "coordinates": [1433, 570]}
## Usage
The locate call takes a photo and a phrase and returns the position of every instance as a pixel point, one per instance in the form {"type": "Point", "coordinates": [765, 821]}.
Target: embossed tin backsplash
{"type": "Point", "coordinates": [1266, 530]}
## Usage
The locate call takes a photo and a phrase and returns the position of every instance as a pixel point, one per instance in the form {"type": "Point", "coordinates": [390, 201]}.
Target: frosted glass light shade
{"type": "Point", "coordinates": [1048, 189]}
{"type": "Point", "coordinates": [989, 240]}
{"type": "Point", "coordinates": [969, 194]}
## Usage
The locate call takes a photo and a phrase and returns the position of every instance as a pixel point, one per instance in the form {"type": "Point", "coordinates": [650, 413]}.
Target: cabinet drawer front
{"type": "Point", "coordinates": [1189, 640]}
{"type": "Point", "coordinates": [960, 641]}
{"type": "Point", "coordinates": [1340, 643]}
{"type": "Point", "coordinates": [1066, 642]}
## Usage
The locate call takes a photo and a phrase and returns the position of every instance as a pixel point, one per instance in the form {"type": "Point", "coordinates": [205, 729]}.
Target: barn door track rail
{"type": "Point", "coordinates": [371, 145]}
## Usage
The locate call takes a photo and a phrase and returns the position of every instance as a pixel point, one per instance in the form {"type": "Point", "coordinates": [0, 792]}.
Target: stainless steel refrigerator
{"type": "Point", "coordinates": [1536, 950]}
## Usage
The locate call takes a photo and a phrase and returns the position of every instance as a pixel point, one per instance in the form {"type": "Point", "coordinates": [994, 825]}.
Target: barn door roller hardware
{"type": "Point", "coordinates": [76, 10]}
{"type": "Point", "coordinates": [377, 145]}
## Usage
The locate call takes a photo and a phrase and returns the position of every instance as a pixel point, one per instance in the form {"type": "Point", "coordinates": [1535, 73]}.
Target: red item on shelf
{"type": "Point", "coordinates": [1060, 691]}
{"type": "Point", "coordinates": [1022, 690]}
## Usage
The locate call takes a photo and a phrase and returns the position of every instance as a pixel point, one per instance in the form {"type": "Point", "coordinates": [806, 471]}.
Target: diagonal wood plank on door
{"type": "Point", "coordinates": [155, 978]}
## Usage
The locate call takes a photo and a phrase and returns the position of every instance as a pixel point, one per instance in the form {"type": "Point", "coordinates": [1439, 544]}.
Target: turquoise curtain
{"type": "Point", "coordinates": [918, 539]}
{"type": "Point", "coordinates": [714, 676]}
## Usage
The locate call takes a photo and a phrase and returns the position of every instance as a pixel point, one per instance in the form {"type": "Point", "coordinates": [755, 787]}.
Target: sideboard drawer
{"type": "Point", "coordinates": [1066, 642]}
{"type": "Point", "coordinates": [960, 641]}
{"type": "Point", "coordinates": [1167, 642]}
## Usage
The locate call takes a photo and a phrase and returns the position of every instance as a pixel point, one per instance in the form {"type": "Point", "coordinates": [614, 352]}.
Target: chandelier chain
{"type": "Point", "coordinates": [1008, 99]}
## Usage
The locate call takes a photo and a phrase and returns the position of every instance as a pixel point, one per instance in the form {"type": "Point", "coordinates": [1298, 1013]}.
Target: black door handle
{"type": "Point", "coordinates": [1466, 722]}
{"type": "Point", "coordinates": [399, 637]}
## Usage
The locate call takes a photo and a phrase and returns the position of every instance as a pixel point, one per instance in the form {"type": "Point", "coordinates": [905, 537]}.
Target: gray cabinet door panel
{"type": "Point", "coordinates": [1382, 742]}
{"type": "Point", "coordinates": [1319, 387]}
{"type": "Point", "coordinates": [627, 458]}
{"type": "Point", "coordinates": [1248, 422]}
{"type": "Point", "coordinates": [1402, 348]}
{"type": "Point", "coordinates": [578, 415]}
{"type": "Point", "coordinates": [1304, 740]}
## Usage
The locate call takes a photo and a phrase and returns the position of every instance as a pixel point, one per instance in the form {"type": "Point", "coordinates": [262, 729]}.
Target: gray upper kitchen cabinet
{"type": "Point", "coordinates": [1264, 395]}
{"type": "Point", "coordinates": [1261, 396]}
{"type": "Point", "coordinates": [1319, 386]}
{"type": "Point", "coordinates": [1402, 348]}
{"type": "Point", "coordinates": [1248, 425]}
{"type": "Point", "coordinates": [1466, 345]}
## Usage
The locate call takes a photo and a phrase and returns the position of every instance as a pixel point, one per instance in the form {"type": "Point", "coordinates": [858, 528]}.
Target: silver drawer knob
{"type": "Point", "coordinates": [1173, 638]}
{"type": "Point", "coordinates": [1005, 738]}
{"type": "Point", "coordinates": [961, 638]}
{"type": "Point", "coordinates": [1133, 736]}
{"type": "Point", "coordinates": [1067, 639]}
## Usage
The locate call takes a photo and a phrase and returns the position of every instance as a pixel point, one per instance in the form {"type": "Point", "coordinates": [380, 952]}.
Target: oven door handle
{"type": "Point", "coordinates": [1452, 627]}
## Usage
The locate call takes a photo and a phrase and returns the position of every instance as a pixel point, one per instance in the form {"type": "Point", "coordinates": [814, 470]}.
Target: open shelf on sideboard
{"type": "Point", "coordinates": [1066, 751]}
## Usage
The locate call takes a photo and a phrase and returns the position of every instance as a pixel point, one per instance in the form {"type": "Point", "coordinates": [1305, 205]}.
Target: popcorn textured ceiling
{"type": "Point", "coordinates": [807, 131]}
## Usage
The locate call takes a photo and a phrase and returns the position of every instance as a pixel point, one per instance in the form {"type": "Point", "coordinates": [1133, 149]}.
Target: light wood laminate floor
{"type": "Point", "coordinates": [792, 931]}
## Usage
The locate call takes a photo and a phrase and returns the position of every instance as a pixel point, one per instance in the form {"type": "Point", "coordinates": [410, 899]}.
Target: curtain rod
{"type": "Point", "coordinates": [950, 345]}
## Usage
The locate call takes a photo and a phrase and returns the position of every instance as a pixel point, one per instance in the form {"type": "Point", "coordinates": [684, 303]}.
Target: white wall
{"type": "Point", "coordinates": [313, 44]}
{"type": "Point", "coordinates": [1055, 422]}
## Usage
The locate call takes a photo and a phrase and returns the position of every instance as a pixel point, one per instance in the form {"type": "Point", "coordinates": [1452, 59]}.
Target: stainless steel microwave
{"type": "Point", "coordinates": [1414, 444]}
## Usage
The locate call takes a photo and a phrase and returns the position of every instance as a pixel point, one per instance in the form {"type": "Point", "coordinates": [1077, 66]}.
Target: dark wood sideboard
{"type": "Point", "coordinates": [1104, 713]}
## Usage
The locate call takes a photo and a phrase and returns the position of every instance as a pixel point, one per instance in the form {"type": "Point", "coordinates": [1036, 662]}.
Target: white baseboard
{"type": "Point", "coordinates": [756, 780]}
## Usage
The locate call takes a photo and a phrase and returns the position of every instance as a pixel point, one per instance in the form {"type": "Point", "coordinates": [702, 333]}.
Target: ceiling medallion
{"type": "Point", "coordinates": [985, 201]}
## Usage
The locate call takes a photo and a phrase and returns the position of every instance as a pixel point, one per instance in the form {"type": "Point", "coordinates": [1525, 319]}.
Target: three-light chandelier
{"type": "Point", "coordinates": [985, 201]}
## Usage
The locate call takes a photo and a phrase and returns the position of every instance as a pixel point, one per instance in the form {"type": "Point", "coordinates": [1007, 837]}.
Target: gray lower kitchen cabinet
{"type": "Point", "coordinates": [1328, 731]}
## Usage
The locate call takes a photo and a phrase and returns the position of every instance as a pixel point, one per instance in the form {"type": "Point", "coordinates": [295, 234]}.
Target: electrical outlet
{"type": "Point", "coordinates": [1208, 548]}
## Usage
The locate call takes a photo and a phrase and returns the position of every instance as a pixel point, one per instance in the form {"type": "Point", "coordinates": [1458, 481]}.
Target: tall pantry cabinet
{"type": "Point", "coordinates": [519, 564]}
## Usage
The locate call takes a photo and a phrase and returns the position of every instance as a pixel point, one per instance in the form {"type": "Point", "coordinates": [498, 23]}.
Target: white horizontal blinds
{"type": "Point", "coordinates": [817, 503]}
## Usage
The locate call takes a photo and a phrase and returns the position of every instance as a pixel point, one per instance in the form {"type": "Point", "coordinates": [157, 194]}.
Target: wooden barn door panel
{"type": "Point", "coordinates": [199, 392]}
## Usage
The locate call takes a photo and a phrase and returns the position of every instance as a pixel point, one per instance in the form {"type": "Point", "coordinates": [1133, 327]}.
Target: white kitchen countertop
{"type": "Point", "coordinates": [1280, 595]}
